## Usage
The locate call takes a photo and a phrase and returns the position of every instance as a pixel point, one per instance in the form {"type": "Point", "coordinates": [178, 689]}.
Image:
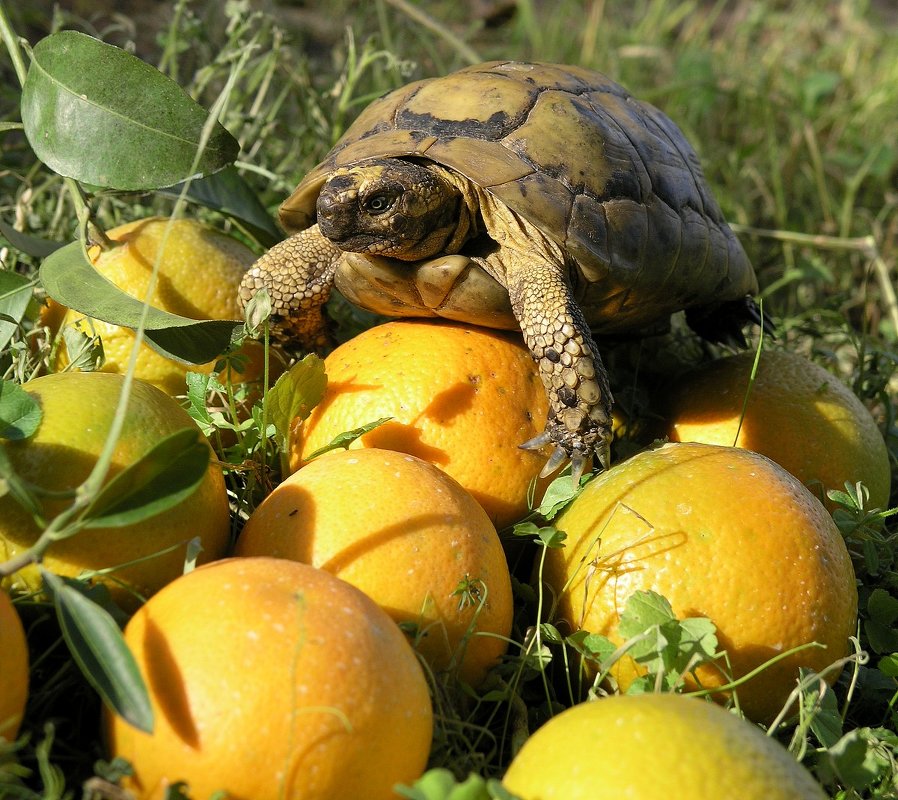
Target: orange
{"type": "Point", "coordinates": [407, 535]}
{"type": "Point", "coordinates": [798, 414]}
{"type": "Point", "coordinates": [722, 533]}
{"type": "Point", "coordinates": [199, 272]}
{"type": "Point", "coordinates": [13, 669]}
{"type": "Point", "coordinates": [651, 746]}
{"type": "Point", "coordinates": [460, 397]}
{"type": "Point", "coordinates": [273, 680]}
{"type": "Point", "coordinates": [77, 413]}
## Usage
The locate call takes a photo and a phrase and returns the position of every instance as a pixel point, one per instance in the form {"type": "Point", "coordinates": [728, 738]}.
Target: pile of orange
{"type": "Point", "coordinates": [376, 566]}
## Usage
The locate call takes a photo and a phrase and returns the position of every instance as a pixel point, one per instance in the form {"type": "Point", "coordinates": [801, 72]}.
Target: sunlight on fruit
{"type": "Point", "coordinates": [408, 536]}
{"type": "Point", "coordinates": [647, 747]}
{"type": "Point", "coordinates": [78, 408]}
{"type": "Point", "coordinates": [199, 271]}
{"type": "Point", "coordinates": [798, 414]}
{"type": "Point", "coordinates": [722, 533]}
{"type": "Point", "coordinates": [273, 680]}
{"type": "Point", "coordinates": [460, 397]}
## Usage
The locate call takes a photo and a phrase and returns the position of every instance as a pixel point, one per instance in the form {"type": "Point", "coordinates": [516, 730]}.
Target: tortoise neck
{"type": "Point", "coordinates": [467, 226]}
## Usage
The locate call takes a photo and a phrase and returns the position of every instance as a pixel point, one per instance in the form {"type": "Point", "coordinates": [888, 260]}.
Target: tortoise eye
{"type": "Point", "coordinates": [378, 203]}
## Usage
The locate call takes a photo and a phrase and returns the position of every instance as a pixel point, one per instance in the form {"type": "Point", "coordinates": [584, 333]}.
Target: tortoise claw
{"type": "Point", "coordinates": [558, 457]}
{"type": "Point", "coordinates": [578, 465]}
{"type": "Point", "coordinates": [541, 440]}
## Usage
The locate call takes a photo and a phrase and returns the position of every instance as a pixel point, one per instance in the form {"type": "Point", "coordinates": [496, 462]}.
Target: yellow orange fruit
{"type": "Point", "coordinates": [652, 746]}
{"type": "Point", "coordinates": [798, 414]}
{"type": "Point", "coordinates": [199, 271]}
{"type": "Point", "coordinates": [460, 397]}
{"type": "Point", "coordinates": [273, 680]}
{"type": "Point", "coordinates": [723, 533]}
{"type": "Point", "coordinates": [13, 669]}
{"type": "Point", "coordinates": [78, 409]}
{"type": "Point", "coordinates": [407, 535]}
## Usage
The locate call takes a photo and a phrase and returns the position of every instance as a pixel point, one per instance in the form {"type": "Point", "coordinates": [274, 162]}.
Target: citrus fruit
{"type": "Point", "coordinates": [78, 408]}
{"type": "Point", "coordinates": [407, 535]}
{"type": "Point", "coordinates": [273, 680]}
{"type": "Point", "coordinates": [13, 668]}
{"type": "Point", "coordinates": [722, 533]}
{"type": "Point", "coordinates": [199, 271]}
{"type": "Point", "coordinates": [798, 414]}
{"type": "Point", "coordinates": [651, 746]}
{"type": "Point", "coordinates": [460, 397]}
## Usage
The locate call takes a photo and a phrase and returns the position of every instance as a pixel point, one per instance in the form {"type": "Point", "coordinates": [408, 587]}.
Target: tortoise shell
{"type": "Point", "coordinates": [608, 177]}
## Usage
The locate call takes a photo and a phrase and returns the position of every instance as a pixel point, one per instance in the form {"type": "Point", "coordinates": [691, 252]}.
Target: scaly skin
{"type": "Point", "coordinates": [532, 268]}
{"type": "Point", "coordinates": [299, 275]}
{"type": "Point", "coordinates": [412, 212]}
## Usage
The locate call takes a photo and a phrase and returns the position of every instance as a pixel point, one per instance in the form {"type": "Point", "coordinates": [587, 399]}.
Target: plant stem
{"type": "Point", "coordinates": [12, 45]}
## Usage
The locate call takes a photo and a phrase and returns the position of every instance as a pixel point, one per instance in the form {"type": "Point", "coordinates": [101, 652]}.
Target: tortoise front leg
{"type": "Point", "coordinates": [571, 369]}
{"type": "Point", "coordinates": [298, 274]}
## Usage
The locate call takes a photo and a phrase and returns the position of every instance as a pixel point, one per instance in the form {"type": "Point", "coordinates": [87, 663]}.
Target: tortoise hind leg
{"type": "Point", "coordinates": [723, 323]}
{"type": "Point", "coordinates": [298, 274]}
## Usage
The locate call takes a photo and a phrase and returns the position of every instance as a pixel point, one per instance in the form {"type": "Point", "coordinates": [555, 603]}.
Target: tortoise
{"type": "Point", "coordinates": [514, 195]}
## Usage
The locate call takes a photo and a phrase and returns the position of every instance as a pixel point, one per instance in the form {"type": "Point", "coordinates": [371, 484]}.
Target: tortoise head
{"type": "Point", "coordinates": [389, 207]}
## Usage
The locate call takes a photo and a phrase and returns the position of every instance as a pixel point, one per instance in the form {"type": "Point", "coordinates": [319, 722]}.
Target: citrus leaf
{"type": "Point", "coordinates": [69, 278]}
{"type": "Point", "coordinates": [30, 245]}
{"type": "Point", "coordinates": [227, 193]}
{"type": "Point", "coordinates": [20, 413]}
{"type": "Point", "coordinates": [98, 647]}
{"type": "Point", "coordinates": [97, 114]}
{"type": "Point", "coordinates": [295, 394]}
{"type": "Point", "coordinates": [15, 294]}
{"type": "Point", "coordinates": [166, 475]}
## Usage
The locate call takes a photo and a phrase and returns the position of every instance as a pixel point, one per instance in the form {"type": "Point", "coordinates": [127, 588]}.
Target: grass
{"type": "Point", "coordinates": [791, 107]}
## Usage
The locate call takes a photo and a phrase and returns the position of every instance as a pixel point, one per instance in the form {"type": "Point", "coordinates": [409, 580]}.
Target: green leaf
{"type": "Point", "coordinates": [227, 193]}
{"type": "Point", "coordinates": [440, 784]}
{"type": "Point", "coordinates": [665, 643]}
{"type": "Point", "coordinates": [345, 439]}
{"type": "Point", "coordinates": [170, 472]}
{"type": "Point", "coordinates": [558, 494]}
{"type": "Point", "coordinates": [30, 245]}
{"type": "Point", "coordinates": [549, 535]}
{"type": "Point", "coordinates": [295, 394]}
{"type": "Point", "coordinates": [826, 722]}
{"type": "Point", "coordinates": [97, 114]}
{"type": "Point", "coordinates": [592, 645]}
{"type": "Point", "coordinates": [854, 761]}
{"type": "Point", "coordinates": [15, 295]}
{"type": "Point", "coordinates": [643, 610]}
{"type": "Point", "coordinates": [888, 665]}
{"type": "Point", "coordinates": [20, 413]}
{"type": "Point", "coordinates": [98, 647]}
{"type": "Point", "coordinates": [69, 278]}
